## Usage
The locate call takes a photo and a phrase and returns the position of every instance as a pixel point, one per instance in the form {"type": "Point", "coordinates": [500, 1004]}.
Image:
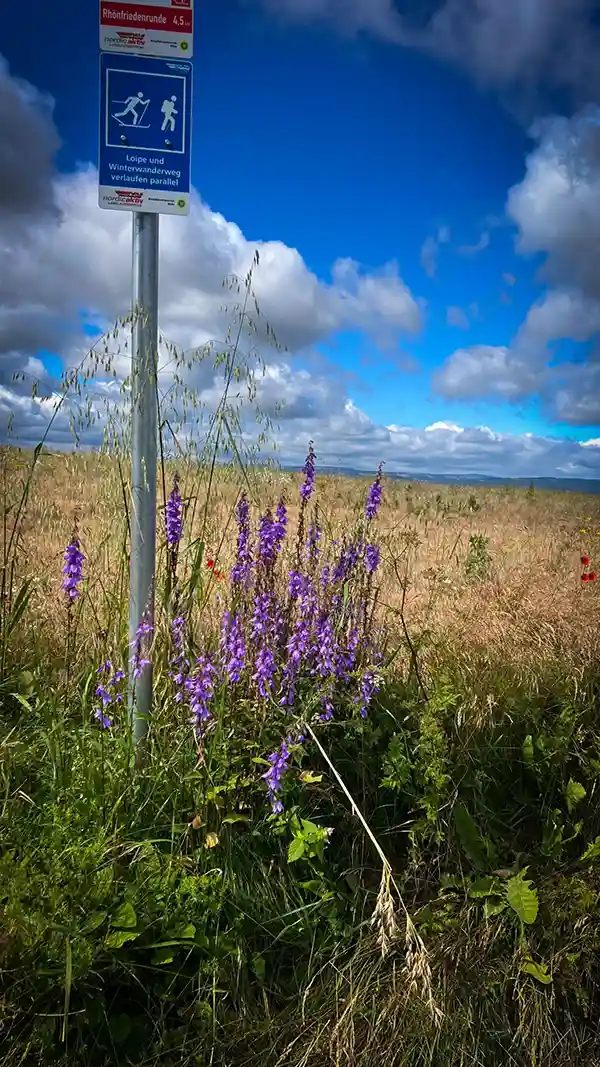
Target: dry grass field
{"type": "Point", "coordinates": [521, 597]}
{"type": "Point", "coordinates": [427, 896]}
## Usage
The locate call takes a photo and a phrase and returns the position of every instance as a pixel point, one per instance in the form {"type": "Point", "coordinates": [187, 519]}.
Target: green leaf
{"type": "Point", "coordinates": [187, 932]}
{"type": "Point", "coordinates": [118, 938]}
{"type": "Point", "coordinates": [484, 887]}
{"type": "Point", "coordinates": [120, 1028]}
{"type": "Point", "coordinates": [493, 906]}
{"type": "Point", "coordinates": [469, 836]}
{"type": "Point", "coordinates": [592, 852]}
{"type": "Point", "coordinates": [163, 955]}
{"type": "Point", "coordinates": [94, 921]}
{"type": "Point", "coordinates": [296, 849]}
{"type": "Point", "coordinates": [259, 966]}
{"type": "Point", "coordinates": [313, 886]}
{"type": "Point", "coordinates": [309, 777]}
{"type": "Point", "coordinates": [522, 898]}
{"type": "Point", "coordinates": [527, 749]}
{"type": "Point", "coordinates": [539, 971]}
{"type": "Point", "coordinates": [124, 918]}
{"type": "Point", "coordinates": [19, 607]}
{"type": "Point", "coordinates": [574, 793]}
{"type": "Point", "coordinates": [237, 817]}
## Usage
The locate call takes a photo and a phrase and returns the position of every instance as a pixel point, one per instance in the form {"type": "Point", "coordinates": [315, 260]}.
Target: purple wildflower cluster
{"type": "Point", "coordinates": [174, 525]}
{"type": "Point", "coordinates": [73, 569]}
{"type": "Point", "coordinates": [296, 629]}
{"type": "Point", "coordinates": [139, 657]}
{"type": "Point", "coordinates": [108, 691]}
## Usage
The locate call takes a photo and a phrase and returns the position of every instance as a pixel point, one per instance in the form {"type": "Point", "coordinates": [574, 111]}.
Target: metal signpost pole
{"type": "Point", "coordinates": [144, 166]}
{"type": "Point", "coordinates": [144, 432]}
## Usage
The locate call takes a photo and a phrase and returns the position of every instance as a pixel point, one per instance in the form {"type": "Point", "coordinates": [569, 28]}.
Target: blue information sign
{"type": "Point", "coordinates": [145, 132]}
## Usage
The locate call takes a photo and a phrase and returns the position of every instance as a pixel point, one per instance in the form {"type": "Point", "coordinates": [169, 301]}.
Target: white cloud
{"type": "Point", "coordinates": [507, 44]}
{"type": "Point", "coordinates": [484, 371]}
{"type": "Point", "coordinates": [479, 246]}
{"type": "Point", "coordinates": [555, 208]}
{"type": "Point", "coordinates": [430, 250]}
{"type": "Point", "coordinates": [455, 316]}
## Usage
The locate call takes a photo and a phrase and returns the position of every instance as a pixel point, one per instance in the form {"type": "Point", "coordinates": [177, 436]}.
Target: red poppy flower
{"type": "Point", "coordinates": [210, 563]}
{"type": "Point", "coordinates": [592, 576]}
{"type": "Point", "coordinates": [585, 577]}
{"type": "Point", "coordinates": [585, 561]}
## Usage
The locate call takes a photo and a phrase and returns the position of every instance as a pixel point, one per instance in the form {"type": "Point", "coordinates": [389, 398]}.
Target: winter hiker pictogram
{"type": "Point", "coordinates": [131, 105]}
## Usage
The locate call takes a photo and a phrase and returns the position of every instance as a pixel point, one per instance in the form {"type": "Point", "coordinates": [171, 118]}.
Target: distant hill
{"type": "Point", "coordinates": [572, 485]}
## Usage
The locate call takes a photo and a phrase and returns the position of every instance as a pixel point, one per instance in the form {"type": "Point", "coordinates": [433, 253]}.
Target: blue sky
{"type": "Point", "coordinates": [341, 142]}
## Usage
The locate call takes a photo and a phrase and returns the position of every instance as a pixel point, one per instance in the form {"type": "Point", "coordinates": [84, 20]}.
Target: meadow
{"type": "Point", "coordinates": [364, 829]}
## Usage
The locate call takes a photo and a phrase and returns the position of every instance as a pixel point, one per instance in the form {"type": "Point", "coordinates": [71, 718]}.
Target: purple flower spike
{"type": "Point", "coordinates": [174, 515]}
{"type": "Point", "coordinates": [138, 659]}
{"type": "Point", "coordinates": [73, 569]}
{"type": "Point", "coordinates": [233, 646]}
{"type": "Point", "coordinates": [279, 764]}
{"type": "Point", "coordinates": [265, 671]}
{"type": "Point", "coordinates": [312, 544]}
{"type": "Point", "coordinates": [309, 474]}
{"type": "Point", "coordinates": [374, 496]}
{"type": "Point", "coordinates": [268, 533]}
{"type": "Point", "coordinates": [108, 692]}
{"type": "Point", "coordinates": [325, 647]}
{"type": "Point", "coordinates": [327, 713]}
{"type": "Point", "coordinates": [179, 666]}
{"type": "Point", "coordinates": [372, 558]}
{"type": "Point", "coordinates": [240, 573]}
{"type": "Point", "coordinates": [280, 524]}
{"type": "Point", "coordinates": [370, 684]}
{"type": "Point", "coordinates": [201, 689]}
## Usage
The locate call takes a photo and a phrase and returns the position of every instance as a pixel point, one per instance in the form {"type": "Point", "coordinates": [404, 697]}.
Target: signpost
{"type": "Point", "coordinates": [145, 127]}
{"type": "Point", "coordinates": [144, 167]}
{"type": "Point", "coordinates": [148, 27]}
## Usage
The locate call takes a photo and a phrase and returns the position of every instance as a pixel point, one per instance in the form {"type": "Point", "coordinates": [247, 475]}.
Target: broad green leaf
{"type": "Point", "coordinates": [484, 887]}
{"type": "Point", "coordinates": [522, 898]}
{"type": "Point", "coordinates": [309, 777]}
{"type": "Point", "coordinates": [527, 749]}
{"type": "Point", "coordinates": [187, 932]}
{"type": "Point", "coordinates": [313, 886]}
{"type": "Point", "coordinates": [592, 852]}
{"type": "Point", "coordinates": [124, 918]}
{"type": "Point", "coordinates": [237, 817]}
{"type": "Point", "coordinates": [493, 906]}
{"type": "Point", "coordinates": [259, 966]}
{"type": "Point", "coordinates": [309, 827]}
{"type": "Point", "coordinates": [574, 793]}
{"type": "Point", "coordinates": [539, 971]}
{"type": "Point", "coordinates": [469, 836]}
{"type": "Point", "coordinates": [118, 938]}
{"type": "Point", "coordinates": [296, 849]}
{"type": "Point", "coordinates": [94, 921]}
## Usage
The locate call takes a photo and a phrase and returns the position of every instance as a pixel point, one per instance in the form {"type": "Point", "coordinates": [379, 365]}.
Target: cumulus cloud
{"type": "Point", "coordinates": [507, 44]}
{"type": "Point", "coordinates": [480, 245]}
{"type": "Point", "coordinates": [430, 250]}
{"type": "Point", "coordinates": [555, 209]}
{"type": "Point", "coordinates": [455, 316]}
{"type": "Point", "coordinates": [29, 142]}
